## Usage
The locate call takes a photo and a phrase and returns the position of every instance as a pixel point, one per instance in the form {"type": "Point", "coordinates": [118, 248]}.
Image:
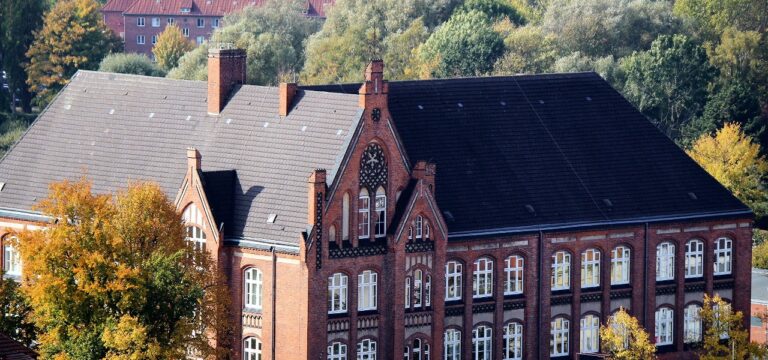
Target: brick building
{"type": "Point", "coordinates": [758, 329]}
{"type": "Point", "coordinates": [139, 22]}
{"type": "Point", "coordinates": [475, 218]}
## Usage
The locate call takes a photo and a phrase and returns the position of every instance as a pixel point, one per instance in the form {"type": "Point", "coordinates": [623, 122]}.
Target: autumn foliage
{"type": "Point", "coordinates": [622, 338]}
{"type": "Point", "coordinates": [112, 277]}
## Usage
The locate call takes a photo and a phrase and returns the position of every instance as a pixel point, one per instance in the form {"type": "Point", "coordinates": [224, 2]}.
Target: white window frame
{"type": "Point", "coordinates": [367, 297]}
{"type": "Point", "coordinates": [428, 291]}
{"type": "Point", "coordinates": [201, 22]}
{"type": "Point", "coordinates": [252, 348]}
{"type": "Point", "coordinates": [253, 280]}
{"type": "Point", "coordinates": [590, 334]}
{"type": "Point", "coordinates": [366, 350]}
{"type": "Point", "coordinates": [196, 237]}
{"type": "Point", "coordinates": [363, 215]}
{"type": "Point", "coordinates": [185, 32]}
{"type": "Point", "coordinates": [407, 292]}
{"type": "Point", "coordinates": [200, 39]}
{"type": "Point", "coordinates": [452, 344]}
{"type": "Point", "coordinates": [419, 227]}
{"type": "Point", "coordinates": [513, 341]}
{"type": "Point", "coordinates": [337, 351]}
{"type": "Point", "coordinates": [723, 256]}
{"type": "Point", "coordinates": [620, 262]}
{"type": "Point", "coordinates": [482, 278]}
{"type": "Point", "coordinates": [140, 21]}
{"type": "Point", "coordinates": [590, 268]}
{"type": "Point", "coordinates": [453, 275]}
{"type": "Point", "coordinates": [427, 232]}
{"type": "Point", "coordinates": [664, 326]}
{"type": "Point", "coordinates": [214, 23]}
{"type": "Point", "coordinates": [154, 39]}
{"type": "Point", "coordinates": [11, 258]}
{"type": "Point", "coordinates": [155, 22]}
{"type": "Point", "coordinates": [559, 336]}
{"type": "Point", "coordinates": [482, 342]}
{"type": "Point", "coordinates": [692, 325]}
{"type": "Point", "coordinates": [171, 21]}
{"type": "Point", "coordinates": [561, 271]}
{"type": "Point", "coordinates": [417, 349]}
{"type": "Point", "coordinates": [665, 261]}
{"type": "Point", "coordinates": [141, 40]}
{"type": "Point", "coordinates": [418, 283]}
{"type": "Point", "coordinates": [515, 273]}
{"type": "Point", "coordinates": [380, 204]}
{"type": "Point", "coordinates": [694, 258]}
{"type": "Point", "coordinates": [337, 293]}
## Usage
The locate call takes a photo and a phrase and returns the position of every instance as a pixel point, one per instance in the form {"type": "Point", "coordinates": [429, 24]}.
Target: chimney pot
{"type": "Point", "coordinates": [226, 68]}
{"type": "Point", "coordinates": [287, 93]}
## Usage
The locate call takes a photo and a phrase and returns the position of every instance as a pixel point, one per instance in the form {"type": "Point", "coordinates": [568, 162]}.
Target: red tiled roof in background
{"type": "Point", "coordinates": [117, 5]}
{"type": "Point", "coordinates": [13, 350]}
{"type": "Point", "coordinates": [198, 7]}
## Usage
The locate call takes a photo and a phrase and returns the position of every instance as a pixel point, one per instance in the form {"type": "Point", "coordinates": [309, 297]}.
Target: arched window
{"type": "Point", "coordinates": [419, 227]}
{"type": "Point", "coordinates": [590, 268]}
{"type": "Point", "coordinates": [337, 293]}
{"type": "Point", "coordinates": [513, 270]}
{"type": "Point", "coordinates": [251, 349]}
{"type": "Point", "coordinates": [366, 292]}
{"type": "Point", "coordinates": [664, 326]}
{"type": "Point", "coordinates": [253, 289]}
{"type": "Point", "coordinates": [366, 350]}
{"type": "Point", "coordinates": [427, 354]}
{"type": "Point", "coordinates": [694, 259]}
{"type": "Point", "coordinates": [482, 347]}
{"type": "Point", "coordinates": [692, 327]}
{"type": "Point", "coordinates": [410, 233]}
{"type": "Point", "coordinates": [665, 261]}
{"type": "Point", "coordinates": [364, 215]}
{"type": "Point", "coordinates": [332, 234]}
{"type": "Point", "coordinates": [620, 265]}
{"type": "Point", "coordinates": [11, 257]}
{"type": "Point", "coordinates": [418, 278]}
{"type": "Point", "coordinates": [453, 280]}
{"type": "Point", "coordinates": [482, 285]}
{"type": "Point", "coordinates": [513, 341]}
{"type": "Point", "coordinates": [558, 341]}
{"type": "Point", "coordinates": [561, 271]}
{"type": "Point", "coordinates": [337, 351]}
{"type": "Point", "coordinates": [345, 218]}
{"type": "Point", "coordinates": [407, 292]}
{"type": "Point", "coordinates": [407, 353]}
{"type": "Point", "coordinates": [427, 232]}
{"type": "Point", "coordinates": [417, 350]}
{"type": "Point", "coordinates": [196, 238]}
{"type": "Point", "coordinates": [381, 212]}
{"type": "Point", "coordinates": [723, 248]}
{"type": "Point", "coordinates": [428, 291]}
{"type": "Point", "coordinates": [452, 344]}
{"type": "Point", "coordinates": [590, 334]}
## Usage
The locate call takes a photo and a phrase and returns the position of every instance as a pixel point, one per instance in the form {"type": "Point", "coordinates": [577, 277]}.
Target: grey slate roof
{"type": "Point", "coordinates": [119, 127]}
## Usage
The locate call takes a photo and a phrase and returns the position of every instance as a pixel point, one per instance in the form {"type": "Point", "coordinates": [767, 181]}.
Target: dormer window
{"type": "Point", "coordinates": [186, 10]}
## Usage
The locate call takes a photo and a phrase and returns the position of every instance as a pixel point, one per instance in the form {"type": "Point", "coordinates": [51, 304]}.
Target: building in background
{"type": "Point", "coordinates": [139, 22]}
{"type": "Point", "coordinates": [758, 330]}
{"type": "Point", "coordinates": [472, 218]}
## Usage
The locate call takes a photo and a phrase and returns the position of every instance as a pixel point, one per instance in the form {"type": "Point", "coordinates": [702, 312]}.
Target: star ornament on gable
{"type": "Point", "coordinates": [373, 167]}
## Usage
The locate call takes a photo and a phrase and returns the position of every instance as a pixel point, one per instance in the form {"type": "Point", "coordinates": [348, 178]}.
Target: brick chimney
{"type": "Point", "coordinates": [226, 68]}
{"type": "Point", "coordinates": [287, 92]}
{"type": "Point", "coordinates": [373, 92]}
{"type": "Point", "coordinates": [193, 159]}
{"type": "Point", "coordinates": [315, 195]}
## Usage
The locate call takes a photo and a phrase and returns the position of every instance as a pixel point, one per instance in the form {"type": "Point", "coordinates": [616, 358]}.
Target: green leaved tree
{"type": "Point", "coordinates": [131, 63]}
{"type": "Point", "coordinates": [20, 21]}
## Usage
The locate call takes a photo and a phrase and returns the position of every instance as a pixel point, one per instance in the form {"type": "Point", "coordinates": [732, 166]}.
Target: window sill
{"type": "Point", "coordinates": [453, 302]}
{"type": "Point", "coordinates": [340, 315]}
{"type": "Point", "coordinates": [665, 348]}
{"type": "Point", "coordinates": [561, 292]}
{"type": "Point", "coordinates": [514, 296]}
{"type": "Point", "coordinates": [694, 279]}
{"type": "Point", "coordinates": [621, 286]}
{"type": "Point", "coordinates": [250, 310]}
{"type": "Point", "coordinates": [665, 282]}
{"type": "Point", "coordinates": [483, 299]}
{"type": "Point", "coordinates": [368, 312]}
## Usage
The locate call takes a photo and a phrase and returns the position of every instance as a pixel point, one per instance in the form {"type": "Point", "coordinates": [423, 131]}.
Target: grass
{"type": "Point", "coordinates": [12, 126]}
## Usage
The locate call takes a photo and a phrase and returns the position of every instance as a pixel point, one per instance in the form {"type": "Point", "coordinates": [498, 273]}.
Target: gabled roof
{"type": "Point", "coordinates": [119, 127]}
{"type": "Point", "coordinates": [13, 350]}
{"type": "Point", "coordinates": [531, 152]}
{"type": "Point", "coordinates": [197, 7]}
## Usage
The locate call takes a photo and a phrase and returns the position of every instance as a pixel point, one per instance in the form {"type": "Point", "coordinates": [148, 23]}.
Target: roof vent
{"type": "Point", "coordinates": [151, 115]}
{"type": "Point", "coordinates": [692, 195]}
{"type": "Point", "coordinates": [588, 98]}
{"type": "Point", "coordinates": [2, 186]}
{"type": "Point", "coordinates": [189, 117]}
{"type": "Point", "coordinates": [229, 120]}
{"type": "Point", "coordinates": [448, 216]}
{"type": "Point", "coordinates": [529, 208]}
{"type": "Point", "coordinates": [266, 124]}
{"type": "Point", "coordinates": [271, 218]}
{"type": "Point", "coordinates": [608, 202]}
{"type": "Point", "coordinates": [421, 107]}
{"type": "Point", "coordinates": [461, 105]}
{"type": "Point", "coordinates": [541, 102]}
{"type": "Point", "coordinates": [111, 111]}
{"type": "Point", "coordinates": [304, 128]}
{"type": "Point", "coordinates": [503, 103]}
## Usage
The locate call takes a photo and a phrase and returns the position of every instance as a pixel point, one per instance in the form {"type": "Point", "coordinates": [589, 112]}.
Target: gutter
{"type": "Point", "coordinates": [32, 216]}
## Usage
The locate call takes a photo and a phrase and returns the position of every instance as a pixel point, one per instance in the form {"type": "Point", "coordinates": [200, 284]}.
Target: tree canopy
{"type": "Point", "coordinates": [131, 63]}
{"type": "Point", "coordinates": [15, 312]}
{"type": "Point", "coordinates": [20, 21]}
{"type": "Point", "coordinates": [170, 47]}
{"type": "Point", "coordinates": [113, 277]}
{"type": "Point", "coordinates": [724, 334]}
{"type": "Point", "coordinates": [622, 338]}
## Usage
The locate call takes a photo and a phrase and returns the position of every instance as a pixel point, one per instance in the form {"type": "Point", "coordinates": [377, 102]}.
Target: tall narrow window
{"type": "Point", "coordinates": [364, 215]}
{"type": "Point", "coordinates": [253, 289]}
{"type": "Point", "coordinates": [337, 351]}
{"type": "Point", "coordinates": [200, 22]}
{"type": "Point", "coordinates": [590, 268]}
{"type": "Point", "coordinates": [481, 343]}
{"type": "Point", "coordinates": [620, 265]}
{"type": "Point", "coordinates": [694, 259]}
{"type": "Point", "coordinates": [590, 334]}
{"type": "Point", "coordinates": [185, 32]}
{"type": "Point", "coordinates": [332, 234]}
{"type": "Point", "coordinates": [215, 23]}
{"type": "Point", "coordinates": [665, 261]}
{"type": "Point", "coordinates": [427, 232]}
{"type": "Point", "coordinates": [11, 258]}
{"type": "Point", "coordinates": [452, 344]}
{"type": "Point", "coordinates": [419, 227]}
{"type": "Point", "coordinates": [196, 238]}
{"type": "Point", "coordinates": [366, 292]}
{"type": "Point", "coordinates": [345, 218]}
{"type": "Point", "coordinates": [140, 21]}
{"type": "Point", "coordinates": [417, 283]}
{"type": "Point", "coordinates": [417, 350]}
{"type": "Point", "coordinates": [558, 341]}
{"type": "Point", "coordinates": [252, 348]}
{"type": "Point", "coordinates": [337, 293]}
{"type": "Point", "coordinates": [407, 292]}
{"type": "Point", "coordinates": [664, 326]}
{"type": "Point", "coordinates": [723, 256]}
{"type": "Point", "coordinates": [692, 327]}
{"type": "Point", "coordinates": [381, 212]}
{"type": "Point", "coordinates": [366, 350]}
{"type": "Point", "coordinates": [513, 270]}
{"type": "Point", "coordinates": [428, 291]}
{"type": "Point", "coordinates": [452, 280]}
{"type": "Point", "coordinates": [410, 233]}
{"type": "Point", "coordinates": [513, 341]}
{"type": "Point", "coordinates": [561, 271]}
{"type": "Point", "coordinates": [482, 284]}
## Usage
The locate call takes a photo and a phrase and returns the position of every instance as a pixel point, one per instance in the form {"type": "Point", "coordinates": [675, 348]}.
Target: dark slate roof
{"type": "Point", "coordinates": [120, 127]}
{"type": "Point", "coordinates": [219, 187]}
{"type": "Point", "coordinates": [567, 145]}
{"type": "Point", "coordinates": [760, 285]}
{"type": "Point", "coordinates": [13, 350]}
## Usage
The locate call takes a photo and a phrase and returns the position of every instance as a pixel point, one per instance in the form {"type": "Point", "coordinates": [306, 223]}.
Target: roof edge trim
{"type": "Point", "coordinates": [32, 216]}
{"type": "Point", "coordinates": [261, 245]}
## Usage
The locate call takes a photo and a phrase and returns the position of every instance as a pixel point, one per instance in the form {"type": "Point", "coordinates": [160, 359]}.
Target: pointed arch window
{"type": "Point", "coordinates": [363, 215]}
{"type": "Point", "coordinates": [381, 212]}
{"type": "Point", "coordinates": [345, 218]}
{"type": "Point", "coordinates": [419, 227]}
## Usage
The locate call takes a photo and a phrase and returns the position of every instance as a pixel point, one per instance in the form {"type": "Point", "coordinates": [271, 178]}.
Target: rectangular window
{"type": "Point", "coordinates": [253, 289]}
{"type": "Point", "coordinates": [723, 256]}
{"type": "Point", "coordinates": [140, 21]}
{"type": "Point", "coordinates": [692, 324]}
{"type": "Point", "coordinates": [214, 23]}
{"type": "Point", "coordinates": [200, 40]}
{"type": "Point", "coordinates": [620, 265]}
{"type": "Point", "coordinates": [665, 261]}
{"type": "Point", "coordinates": [200, 22]}
{"type": "Point", "coordinates": [364, 215]}
{"type": "Point", "coordinates": [186, 10]}
{"type": "Point", "coordinates": [155, 22]}
{"type": "Point", "coordinates": [452, 344]}
{"type": "Point", "coordinates": [337, 293]}
{"type": "Point", "coordinates": [514, 272]}
{"type": "Point", "coordinates": [154, 39]}
{"type": "Point", "coordinates": [590, 268]}
{"type": "Point", "coordinates": [482, 286]}
{"type": "Point", "coordinates": [694, 259]}
{"type": "Point", "coordinates": [663, 328]}
{"type": "Point", "coordinates": [185, 32]}
{"type": "Point", "coordinates": [140, 39]}
{"type": "Point", "coordinates": [11, 261]}
{"type": "Point", "coordinates": [171, 20]}
{"type": "Point", "coordinates": [558, 342]}
{"type": "Point", "coordinates": [381, 213]}
{"type": "Point", "coordinates": [590, 334]}
{"type": "Point", "coordinates": [417, 287]}
{"type": "Point", "coordinates": [452, 281]}
{"type": "Point", "coordinates": [561, 271]}
{"type": "Point", "coordinates": [366, 293]}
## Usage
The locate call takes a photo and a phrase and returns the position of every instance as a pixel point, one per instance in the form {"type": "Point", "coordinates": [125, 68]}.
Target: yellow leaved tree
{"type": "Point", "coordinates": [171, 46]}
{"type": "Point", "coordinates": [725, 336]}
{"type": "Point", "coordinates": [622, 338]}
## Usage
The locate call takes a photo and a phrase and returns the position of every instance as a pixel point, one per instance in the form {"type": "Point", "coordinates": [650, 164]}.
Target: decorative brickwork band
{"type": "Point", "coordinates": [319, 229]}
{"type": "Point", "coordinates": [421, 246]}
{"type": "Point", "coordinates": [358, 251]}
